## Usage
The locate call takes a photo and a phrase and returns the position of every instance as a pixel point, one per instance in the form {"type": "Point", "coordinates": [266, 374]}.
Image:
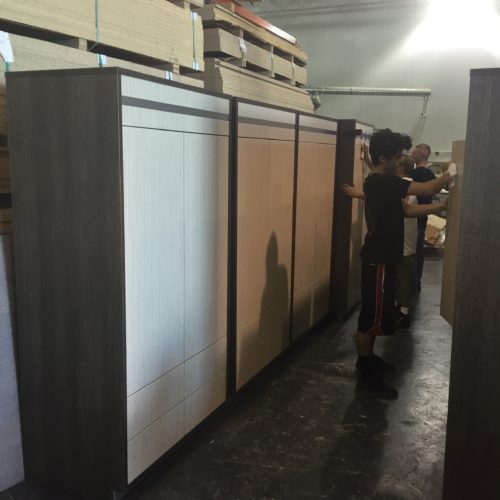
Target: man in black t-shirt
{"type": "Point", "coordinates": [421, 173]}
{"type": "Point", "coordinates": [385, 208]}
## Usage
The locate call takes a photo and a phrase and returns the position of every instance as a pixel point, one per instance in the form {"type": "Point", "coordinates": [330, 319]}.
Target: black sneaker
{"type": "Point", "coordinates": [381, 366]}
{"type": "Point", "coordinates": [373, 365]}
{"type": "Point", "coordinates": [403, 322]}
{"type": "Point", "coordinates": [375, 387]}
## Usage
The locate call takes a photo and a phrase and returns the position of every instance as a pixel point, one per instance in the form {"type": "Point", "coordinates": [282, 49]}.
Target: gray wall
{"type": "Point", "coordinates": [365, 43]}
{"type": "Point", "coordinates": [11, 460]}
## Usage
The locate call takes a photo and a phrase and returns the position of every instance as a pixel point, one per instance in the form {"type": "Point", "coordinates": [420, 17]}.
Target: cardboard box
{"type": "Point", "coordinates": [434, 231]}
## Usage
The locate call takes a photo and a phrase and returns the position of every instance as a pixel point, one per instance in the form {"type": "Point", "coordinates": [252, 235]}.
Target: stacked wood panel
{"type": "Point", "coordinates": [121, 270]}
{"type": "Point", "coordinates": [349, 223]}
{"type": "Point", "coordinates": [265, 177]}
{"type": "Point", "coordinates": [315, 176]}
{"type": "Point", "coordinates": [157, 37]}
{"type": "Point", "coordinates": [248, 61]}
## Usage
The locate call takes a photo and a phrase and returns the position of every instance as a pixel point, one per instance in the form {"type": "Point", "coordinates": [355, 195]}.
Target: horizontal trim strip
{"type": "Point", "coordinates": [266, 123]}
{"type": "Point", "coordinates": [178, 131]}
{"type": "Point", "coordinates": [317, 130]}
{"type": "Point", "coordinates": [173, 108]}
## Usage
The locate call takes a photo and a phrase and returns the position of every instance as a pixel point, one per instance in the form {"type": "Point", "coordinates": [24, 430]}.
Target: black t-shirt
{"type": "Point", "coordinates": [423, 174]}
{"type": "Point", "coordinates": [384, 218]}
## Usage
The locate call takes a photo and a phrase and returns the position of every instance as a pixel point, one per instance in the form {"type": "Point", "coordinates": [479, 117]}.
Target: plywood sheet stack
{"type": "Point", "coordinates": [249, 61]}
{"type": "Point", "coordinates": [156, 37]}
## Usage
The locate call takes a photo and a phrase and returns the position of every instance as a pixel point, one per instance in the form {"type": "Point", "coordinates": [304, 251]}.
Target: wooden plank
{"type": "Point", "coordinates": [145, 28]}
{"type": "Point", "coordinates": [214, 14]}
{"type": "Point", "coordinates": [452, 234]}
{"type": "Point", "coordinates": [221, 76]}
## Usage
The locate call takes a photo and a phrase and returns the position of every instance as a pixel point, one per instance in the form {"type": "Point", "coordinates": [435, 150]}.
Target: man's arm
{"type": "Point", "coordinates": [430, 188]}
{"type": "Point", "coordinates": [366, 155]}
{"type": "Point", "coordinates": [421, 210]}
{"type": "Point", "coordinates": [352, 192]}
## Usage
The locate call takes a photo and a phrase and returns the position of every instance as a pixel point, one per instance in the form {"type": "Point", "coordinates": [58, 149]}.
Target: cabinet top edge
{"type": "Point", "coordinates": [485, 72]}
{"type": "Point", "coordinates": [111, 70]}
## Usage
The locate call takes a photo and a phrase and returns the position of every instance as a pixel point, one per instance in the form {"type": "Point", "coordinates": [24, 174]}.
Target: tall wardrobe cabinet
{"type": "Point", "coordinates": [120, 192]}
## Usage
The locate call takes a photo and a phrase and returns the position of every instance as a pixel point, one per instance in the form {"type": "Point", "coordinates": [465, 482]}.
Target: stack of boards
{"type": "Point", "coordinates": [156, 37]}
{"type": "Point", "coordinates": [181, 40]}
{"type": "Point", "coordinates": [248, 61]}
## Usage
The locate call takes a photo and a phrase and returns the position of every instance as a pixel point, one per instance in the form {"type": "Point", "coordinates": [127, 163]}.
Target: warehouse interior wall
{"type": "Point", "coordinates": [398, 44]}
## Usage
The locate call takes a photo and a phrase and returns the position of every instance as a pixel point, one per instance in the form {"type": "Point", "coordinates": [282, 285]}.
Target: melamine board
{"type": "Point", "coordinates": [68, 259]}
{"type": "Point", "coordinates": [150, 403]}
{"type": "Point", "coordinates": [313, 237]}
{"type": "Point", "coordinates": [452, 235]}
{"type": "Point", "coordinates": [205, 366]}
{"type": "Point", "coordinates": [201, 403]}
{"type": "Point", "coordinates": [206, 236]}
{"type": "Point", "coordinates": [153, 186]}
{"type": "Point", "coordinates": [306, 214]}
{"type": "Point", "coordinates": [150, 444]}
{"type": "Point", "coordinates": [253, 232]}
{"type": "Point", "coordinates": [265, 199]}
{"type": "Point", "coordinates": [472, 458]}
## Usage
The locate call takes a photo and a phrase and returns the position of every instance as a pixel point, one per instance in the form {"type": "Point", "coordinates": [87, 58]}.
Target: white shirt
{"type": "Point", "coordinates": [410, 243]}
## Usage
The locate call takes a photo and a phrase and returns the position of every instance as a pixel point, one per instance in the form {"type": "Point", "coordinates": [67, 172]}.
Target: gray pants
{"type": "Point", "coordinates": [404, 280]}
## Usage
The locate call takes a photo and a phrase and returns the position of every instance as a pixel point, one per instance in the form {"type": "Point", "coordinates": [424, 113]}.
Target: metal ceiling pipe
{"type": "Point", "coordinates": [368, 91]}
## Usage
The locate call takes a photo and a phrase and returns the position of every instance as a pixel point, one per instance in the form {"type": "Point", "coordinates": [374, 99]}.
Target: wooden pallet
{"type": "Point", "coordinates": [215, 15]}
{"type": "Point", "coordinates": [248, 54]}
{"type": "Point", "coordinates": [148, 32]}
{"type": "Point", "coordinates": [221, 76]}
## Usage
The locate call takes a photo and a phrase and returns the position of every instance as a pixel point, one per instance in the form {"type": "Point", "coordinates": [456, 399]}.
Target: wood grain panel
{"type": "Point", "coordinates": [303, 301]}
{"type": "Point", "coordinates": [205, 366]}
{"type": "Point", "coordinates": [325, 182]}
{"type": "Point", "coordinates": [201, 403]}
{"type": "Point", "coordinates": [69, 279]}
{"type": "Point", "coordinates": [325, 175]}
{"type": "Point", "coordinates": [265, 192]}
{"type": "Point", "coordinates": [154, 250]}
{"type": "Point", "coordinates": [206, 235]}
{"type": "Point", "coordinates": [253, 232]}
{"type": "Point", "coordinates": [153, 401]}
{"type": "Point", "coordinates": [473, 436]}
{"type": "Point", "coordinates": [452, 235]}
{"type": "Point", "coordinates": [149, 445]}
{"type": "Point", "coordinates": [306, 214]}
{"type": "Point", "coordinates": [313, 238]}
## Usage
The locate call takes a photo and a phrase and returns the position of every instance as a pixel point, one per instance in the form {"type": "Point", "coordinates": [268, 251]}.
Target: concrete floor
{"type": "Point", "coordinates": [300, 432]}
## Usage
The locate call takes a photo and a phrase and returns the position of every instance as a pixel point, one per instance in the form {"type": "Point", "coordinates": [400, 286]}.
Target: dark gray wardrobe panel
{"type": "Point", "coordinates": [472, 458]}
{"type": "Point", "coordinates": [349, 225]}
{"type": "Point", "coordinates": [69, 292]}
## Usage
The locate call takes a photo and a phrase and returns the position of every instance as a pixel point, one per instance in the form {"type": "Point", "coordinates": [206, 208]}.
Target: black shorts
{"type": "Point", "coordinates": [378, 294]}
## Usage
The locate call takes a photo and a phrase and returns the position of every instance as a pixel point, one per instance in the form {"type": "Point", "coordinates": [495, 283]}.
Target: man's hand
{"type": "Point", "coordinates": [366, 155]}
{"type": "Point", "coordinates": [452, 169]}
